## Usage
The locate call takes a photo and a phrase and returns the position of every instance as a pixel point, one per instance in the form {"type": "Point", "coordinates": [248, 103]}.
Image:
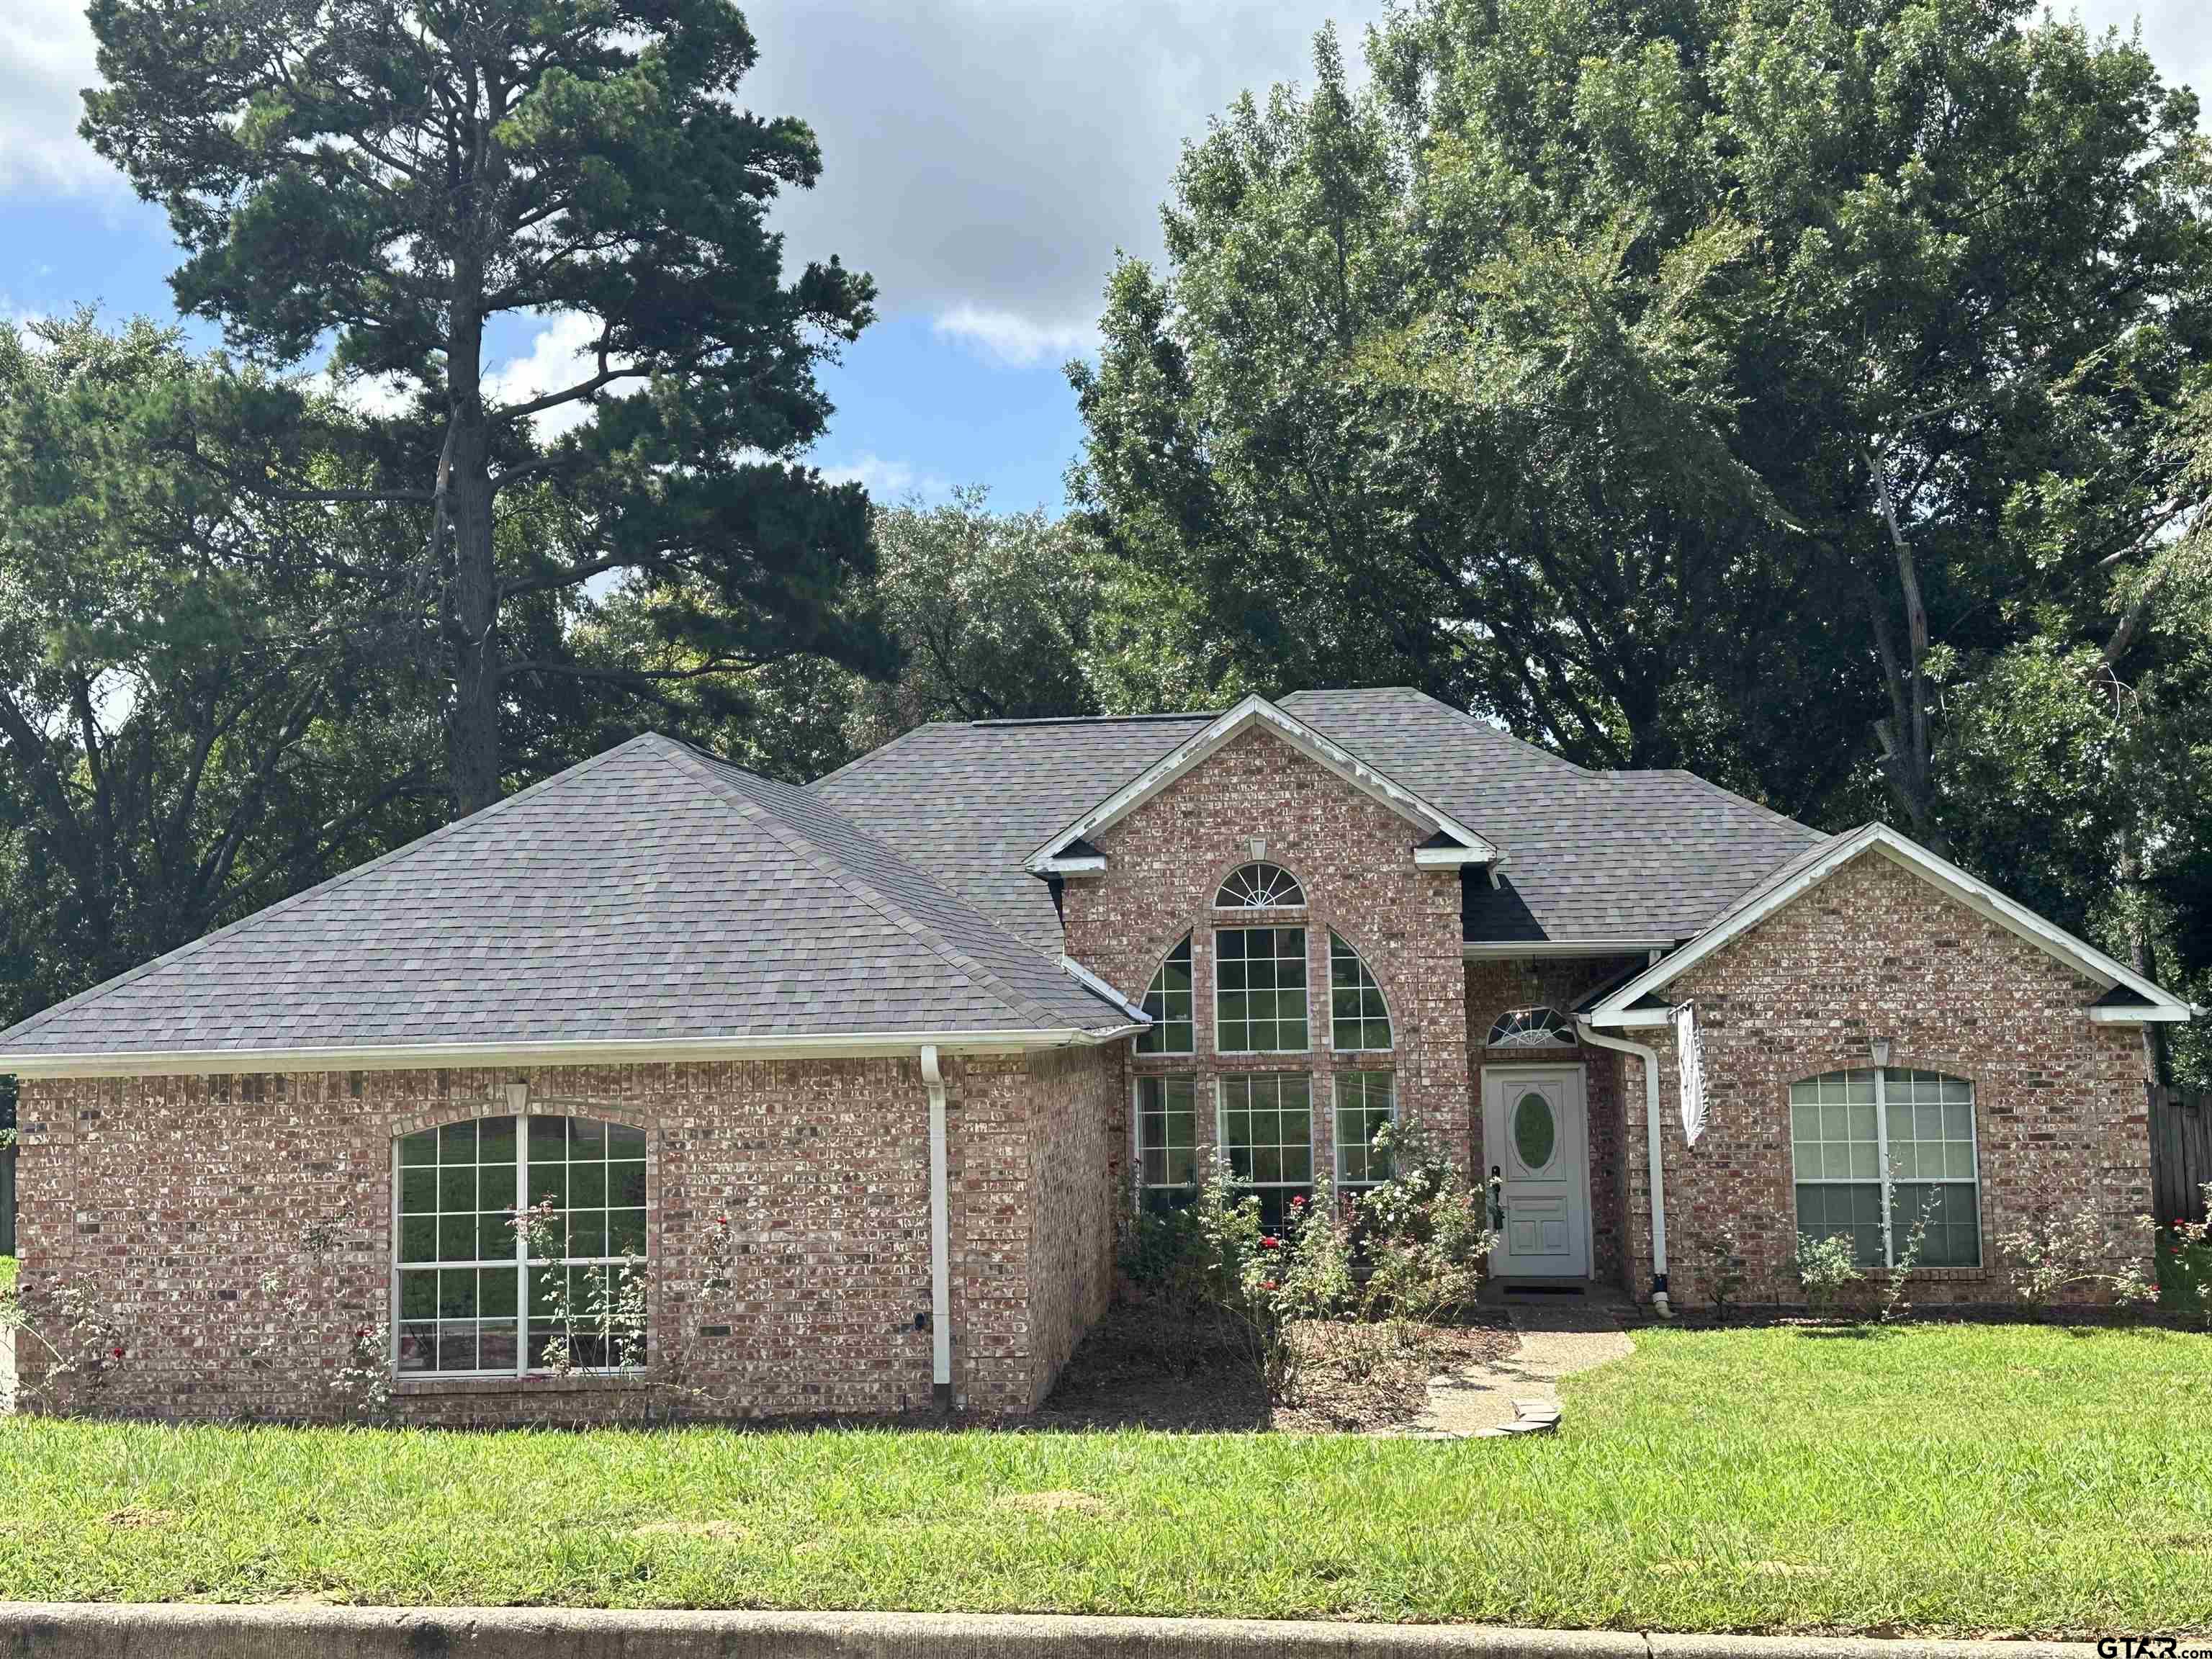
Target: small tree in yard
{"type": "Point", "coordinates": [2184, 1265]}
{"type": "Point", "coordinates": [1723, 1271]}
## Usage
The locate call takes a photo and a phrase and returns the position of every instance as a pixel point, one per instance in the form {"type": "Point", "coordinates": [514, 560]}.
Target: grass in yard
{"type": "Point", "coordinates": [1932, 1479]}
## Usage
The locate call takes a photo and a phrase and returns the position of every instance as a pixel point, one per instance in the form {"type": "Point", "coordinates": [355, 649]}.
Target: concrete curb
{"type": "Point", "coordinates": [31, 1630]}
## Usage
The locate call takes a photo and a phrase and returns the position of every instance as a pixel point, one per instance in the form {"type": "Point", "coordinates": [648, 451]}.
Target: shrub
{"type": "Point", "coordinates": [1825, 1266]}
{"type": "Point", "coordinates": [2185, 1265]}
{"type": "Point", "coordinates": [1895, 1305]}
{"type": "Point", "coordinates": [2052, 1253]}
{"type": "Point", "coordinates": [1721, 1273]}
{"type": "Point", "coordinates": [1423, 1235]}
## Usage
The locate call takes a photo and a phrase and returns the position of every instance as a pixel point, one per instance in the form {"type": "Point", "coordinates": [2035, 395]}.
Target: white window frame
{"type": "Point", "coordinates": [1885, 1180]}
{"type": "Point", "coordinates": [526, 1351]}
{"type": "Point", "coordinates": [1221, 1085]}
{"type": "Point", "coordinates": [1305, 958]}
{"type": "Point", "coordinates": [1143, 1186]}
{"type": "Point", "coordinates": [1267, 903]}
{"type": "Point", "coordinates": [1389, 1020]}
{"type": "Point", "coordinates": [1366, 1076]}
{"type": "Point", "coordinates": [1188, 944]}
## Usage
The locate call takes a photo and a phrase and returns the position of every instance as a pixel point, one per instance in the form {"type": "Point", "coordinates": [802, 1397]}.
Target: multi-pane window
{"type": "Point", "coordinates": [1168, 1003]}
{"type": "Point", "coordinates": [1532, 1027]}
{"type": "Point", "coordinates": [473, 1296]}
{"type": "Point", "coordinates": [1260, 887]}
{"type": "Point", "coordinates": [1876, 1152]}
{"type": "Point", "coordinates": [1267, 1135]}
{"type": "Point", "coordinates": [1260, 990]}
{"type": "Point", "coordinates": [1359, 1019]}
{"type": "Point", "coordinates": [1167, 1139]}
{"type": "Point", "coordinates": [1365, 1102]}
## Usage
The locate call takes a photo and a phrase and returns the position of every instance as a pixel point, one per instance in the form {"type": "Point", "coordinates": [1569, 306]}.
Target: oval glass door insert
{"type": "Point", "coordinates": [1535, 1131]}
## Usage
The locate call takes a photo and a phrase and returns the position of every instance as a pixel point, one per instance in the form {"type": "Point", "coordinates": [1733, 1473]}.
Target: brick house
{"type": "Point", "coordinates": [859, 1078]}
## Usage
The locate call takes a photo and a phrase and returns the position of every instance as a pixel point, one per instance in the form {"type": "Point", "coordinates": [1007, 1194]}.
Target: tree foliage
{"type": "Point", "coordinates": [398, 177]}
{"type": "Point", "coordinates": [184, 736]}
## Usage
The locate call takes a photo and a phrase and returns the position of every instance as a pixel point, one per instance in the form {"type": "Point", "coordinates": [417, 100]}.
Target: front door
{"type": "Point", "coordinates": [1536, 1128]}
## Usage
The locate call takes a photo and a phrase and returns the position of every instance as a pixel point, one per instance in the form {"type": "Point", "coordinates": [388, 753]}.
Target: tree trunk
{"type": "Point", "coordinates": [1908, 751]}
{"type": "Point", "coordinates": [472, 745]}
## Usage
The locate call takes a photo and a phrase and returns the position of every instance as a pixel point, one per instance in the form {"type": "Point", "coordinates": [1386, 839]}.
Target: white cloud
{"type": "Point", "coordinates": [887, 480]}
{"type": "Point", "coordinates": [46, 57]}
{"type": "Point", "coordinates": [1009, 339]}
{"type": "Point", "coordinates": [561, 355]}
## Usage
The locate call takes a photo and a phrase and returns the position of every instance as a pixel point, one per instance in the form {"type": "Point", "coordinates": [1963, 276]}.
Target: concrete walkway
{"type": "Point", "coordinates": [1519, 1394]}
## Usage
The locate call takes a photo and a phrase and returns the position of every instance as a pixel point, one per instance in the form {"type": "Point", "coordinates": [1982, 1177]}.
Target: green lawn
{"type": "Point", "coordinates": [1935, 1480]}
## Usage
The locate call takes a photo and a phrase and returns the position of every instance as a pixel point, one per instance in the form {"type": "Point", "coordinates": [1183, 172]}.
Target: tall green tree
{"type": "Point", "coordinates": [185, 734]}
{"type": "Point", "coordinates": [1685, 382]}
{"type": "Point", "coordinates": [395, 178]}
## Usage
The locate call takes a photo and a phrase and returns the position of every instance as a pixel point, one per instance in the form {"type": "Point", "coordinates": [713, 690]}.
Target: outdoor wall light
{"type": "Point", "coordinates": [518, 1097]}
{"type": "Point", "coordinates": [1880, 1049]}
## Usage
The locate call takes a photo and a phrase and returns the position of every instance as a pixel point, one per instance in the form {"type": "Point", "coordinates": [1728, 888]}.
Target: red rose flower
{"type": "Point", "coordinates": [1267, 1285]}
{"type": "Point", "coordinates": [1271, 1243]}
{"type": "Point", "coordinates": [118, 1353]}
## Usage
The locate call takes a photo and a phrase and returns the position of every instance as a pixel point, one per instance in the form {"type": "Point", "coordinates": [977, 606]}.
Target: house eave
{"type": "Point", "coordinates": [399, 1057]}
{"type": "Point", "coordinates": [1487, 950]}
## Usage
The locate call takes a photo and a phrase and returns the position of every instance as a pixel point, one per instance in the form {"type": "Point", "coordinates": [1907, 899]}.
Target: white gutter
{"type": "Point", "coordinates": [613, 1051]}
{"type": "Point", "coordinates": [1652, 1126]}
{"type": "Point", "coordinates": [940, 1236]}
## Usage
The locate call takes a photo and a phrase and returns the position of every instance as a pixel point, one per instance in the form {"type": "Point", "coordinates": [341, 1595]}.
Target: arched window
{"type": "Point", "coordinates": [1169, 1002]}
{"type": "Point", "coordinates": [1359, 1020]}
{"type": "Point", "coordinates": [1532, 1028]}
{"type": "Point", "coordinates": [1882, 1152]}
{"type": "Point", "coordinates": [477, 1291]}
{"type": "Point", "coordinates": [1260, 887]}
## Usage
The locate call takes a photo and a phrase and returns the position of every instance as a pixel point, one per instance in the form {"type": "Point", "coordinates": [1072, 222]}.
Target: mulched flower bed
{"type": "Point", "coordinates": [1147, 1367]}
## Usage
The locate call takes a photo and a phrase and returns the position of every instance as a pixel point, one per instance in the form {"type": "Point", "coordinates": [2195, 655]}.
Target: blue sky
{"type": "Point", "coordinates": [984, 159]}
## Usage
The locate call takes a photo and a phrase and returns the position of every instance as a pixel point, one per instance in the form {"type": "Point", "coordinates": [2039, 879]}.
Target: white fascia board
{"type": "Point", "coordinates": [1449, 858]}
{"type": "Point", "coordinates": [1628, 1019]}
{"type": "Point", "coordinates": [1323, 752]}
{"type": "Point", "coordinates": [1090, 980]}
{"type": "Point", "coordinates": [1940, 873]}
{"type": "Point", "coordinates": [2140, 1016]}
{"type": "Point", "coordinates": [1508, 950]}
{"type": "Point", "coordinates": [1091, 865]}
{"type": "Point", "coordinates": [399, 1057]}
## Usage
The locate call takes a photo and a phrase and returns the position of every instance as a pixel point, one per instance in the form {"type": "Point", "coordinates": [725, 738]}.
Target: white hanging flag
{"type": "Point", "coordinates": [1690, 1055]}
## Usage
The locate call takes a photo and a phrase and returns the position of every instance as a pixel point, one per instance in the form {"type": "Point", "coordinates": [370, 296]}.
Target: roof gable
{"type": "Point", "coordinates": [652, 902]}
{"type": "Point", "coordinates": [1446, 841]}
{"type": "Point", "coordinates": [1816, 864]}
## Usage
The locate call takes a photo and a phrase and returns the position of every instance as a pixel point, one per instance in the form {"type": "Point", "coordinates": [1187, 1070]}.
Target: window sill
{"type": "Point", "coordinates": [417, 1386]}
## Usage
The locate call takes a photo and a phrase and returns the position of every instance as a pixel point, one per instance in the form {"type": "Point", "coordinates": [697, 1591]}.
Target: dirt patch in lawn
{"type": "Point", "coordinates": [720, 1532]}
{"type": "Point", "coordinates": [1053, 1503]}
{"type": "Point", "coordinates": [1145, 1367]}
{"type": "Point", "coordinates": [133, 1517]}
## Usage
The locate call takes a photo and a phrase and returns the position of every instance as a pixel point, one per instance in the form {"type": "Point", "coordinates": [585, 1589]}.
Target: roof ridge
{"type": "Point", "coordinates": [795, 837]}
{"type": "Point", "coordinates": [93, 993]}
{"type": "Point", "coordinates": [1089, 719]}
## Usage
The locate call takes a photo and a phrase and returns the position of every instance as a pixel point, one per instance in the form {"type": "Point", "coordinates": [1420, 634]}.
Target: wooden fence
{"type": "Point", "coordinates": [7, 1201]}
{"type": "Point", "coordinates": [2180, 1152]}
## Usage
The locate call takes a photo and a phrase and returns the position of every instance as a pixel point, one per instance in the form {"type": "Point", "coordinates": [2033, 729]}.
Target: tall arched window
{"type": "Point", "coordinates": [475, 1291]}
{"type": "Point", "coordinates": [1359, 1019]}
{"type": "Point", "coordinates": [1882, 1152]}
{"type": "Point", "coordinates": [1260, 887]}
{"type": "Point", "coordinates": [1169, 1002]}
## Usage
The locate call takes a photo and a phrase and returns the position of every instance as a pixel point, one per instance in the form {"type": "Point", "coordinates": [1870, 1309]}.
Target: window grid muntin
{"type": "Point", "coordinates": [1359, 1017]}
{"type": "Point", "coordinates": [531, 1171]}
{"type": "Point", "coordinates": [1266, 1137]}
{"type": "Point", "coordinates": [1167, 1139]}
{"type": "Point", "coordinates": [1870, 1133]}
{"type": "Point", "coordinates": [1365, 1101]}
{"type": "Point", "coordinates": [1247, 981]}
{"type": "Point", "coordinates": [1532, 1027]}
{"type": "Point", "coordinates": [1260, 886]}
{"type": "Point", "coordinates": [1173, 1005]}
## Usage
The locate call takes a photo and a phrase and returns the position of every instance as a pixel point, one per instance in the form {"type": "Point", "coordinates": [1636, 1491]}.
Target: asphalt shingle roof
{"type": "Point", "coordinates": [1597, 856]}
{"type": "Point", "coordinates": [652, 893]}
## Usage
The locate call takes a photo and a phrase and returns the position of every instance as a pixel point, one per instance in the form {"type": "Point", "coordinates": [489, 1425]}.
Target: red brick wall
{"type": "Point", "coordinates": [1494, 987]}
{"type": "Point", "coordinates": [1078, 1131]}
{"type": "Point", "coordinates": [1876, 953]}
{"type": "Point", "coordinates": [1353, 856]}
{"type": "Point", "coordinates": [173, 1198]}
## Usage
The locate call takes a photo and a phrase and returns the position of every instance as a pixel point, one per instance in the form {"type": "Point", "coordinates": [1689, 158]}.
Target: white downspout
{"type": "Point", "coordinates": [940, 1236]}
{"type": "Point", "coordinates": [1651, 1125]}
